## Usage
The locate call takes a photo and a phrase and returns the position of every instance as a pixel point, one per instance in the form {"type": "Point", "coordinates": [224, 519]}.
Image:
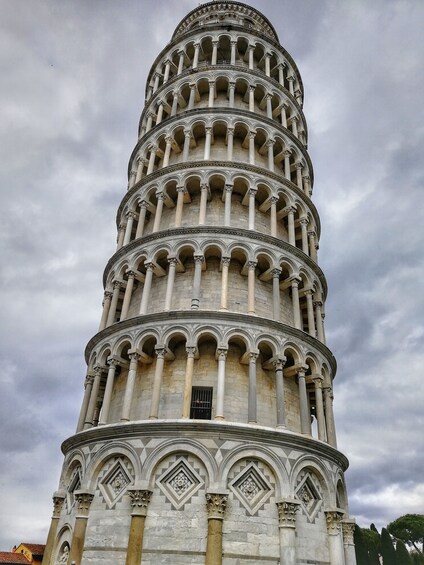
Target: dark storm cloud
{"type": "Point", "coordinates": [73, 86]}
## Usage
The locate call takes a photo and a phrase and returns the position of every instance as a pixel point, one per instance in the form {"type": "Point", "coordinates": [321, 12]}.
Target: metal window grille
{"type": "Point", "coordinates": [201, 403]}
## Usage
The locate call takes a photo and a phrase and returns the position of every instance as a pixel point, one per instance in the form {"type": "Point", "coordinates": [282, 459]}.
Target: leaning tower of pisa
{"type": "Point", "coordinates": [206, 433]}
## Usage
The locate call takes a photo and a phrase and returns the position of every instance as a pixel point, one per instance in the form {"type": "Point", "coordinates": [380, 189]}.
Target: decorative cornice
{"type": "Point", "coordinates": [148, 320]}
{"type": "Point", "coordinates": [244, 433]}
{"type": "Point", "coordinates": [223, 231]}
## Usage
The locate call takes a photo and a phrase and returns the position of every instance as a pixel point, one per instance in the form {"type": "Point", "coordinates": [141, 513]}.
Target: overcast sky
{"type": "Point", "coordinates": [72, 90]}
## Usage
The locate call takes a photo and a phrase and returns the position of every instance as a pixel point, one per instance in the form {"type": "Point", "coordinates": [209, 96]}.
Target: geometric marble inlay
{"type": "Point", "coordinates": [251, 488]}
{"type": "Point", "coordinates": [308, 496]}
{"type": "Point", "coordinates": [179, 483]}
{"type": "Point", "coordinates": [114, 483]}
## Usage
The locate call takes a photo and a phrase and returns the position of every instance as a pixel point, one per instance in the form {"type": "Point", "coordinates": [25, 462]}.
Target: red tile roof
{"type": "Point", "coordinates": [12, 558]}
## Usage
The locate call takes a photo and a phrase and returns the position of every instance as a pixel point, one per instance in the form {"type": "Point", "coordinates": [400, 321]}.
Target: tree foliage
{"type": "Point", "coordinates": [409, 529]}
{"type": "Point", "coordinates": [388, 552]}
{"type": "Point", "coordinates": [402, 554]}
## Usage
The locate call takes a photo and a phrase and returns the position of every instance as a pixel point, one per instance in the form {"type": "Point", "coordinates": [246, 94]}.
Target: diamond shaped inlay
{"type": "Point", "coordinates": [179, 483]}
{"type": "Point", "coordinates": [251, 488]}
{"type": "Point", "coordinates": [308, 496]}
{"type": "Point", "coordinates": [114, 483]}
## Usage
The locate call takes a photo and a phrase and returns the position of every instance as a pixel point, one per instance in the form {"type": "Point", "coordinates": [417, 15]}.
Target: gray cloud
{"type": "Point", "coordinates": [72, 92]}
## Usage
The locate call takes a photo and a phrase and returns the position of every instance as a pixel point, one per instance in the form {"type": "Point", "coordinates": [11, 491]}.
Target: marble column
{"type": "Point", "coordinates": [216, 505]}
{"type": "Point", "coordinates": [252, 135]}
{"type": "Point", "coordinates": [318, 318]}
{"type": "Point", "coordinates": [214, 51]}
{"type": "Point", "coordinates": [252, 98]}
{"type": "Point", "coordinates": [225, 265]}
{"type": "Point", "coordinates": [312, 246]}
{"type": "Point", "coordinates": [84, 500]}
{"type": "Point", "coordinates": [146, 288]}
{"type": "Point", "coordinates": [299, 167]}
{"type": "Point", "coordinates": [291, 86]}
{"type": "Point", "coordinates": [290, 225]}
{"type": "Point", "coordinates": [172, 261]}
{"type": "Point", "coordinates": [287, 173]}
{"type": "Point", "coordinates": [106, 307]}
{"type": "Point", "coordinates": [233, 51]}
{"type": "Point", "coordinates": [159, 208]}
{"type": "Point", "coordinates": [208, 142]}
{"type": "Point", "coordinates": [287, 526]}
{"type": "Point", "coordinates": [167, 70]}
{"type": "Point", "coordinates": [152, 157]}
{"type": "Point", "coordinates": [174, 106]}
{"type": "Point", "coordinates": [227, 209]}
{"type": "Point", "coordinates": [180, 62]}
{"type": "Point", "coordinates": [196, 55]}
{"type": "Point", "coordinates": [128, 229]}
{"type": "Point", "coordinates": [157, 383]}
{"type": "Point", "coordinates": [268, 64]}
{"type": "Point", "coordinates": [252, 208]}
{"type": "Point", "coordinates": [252, 417]}
{"type": "Point", "coordinates": [251, 276]}
{"type": "Point", "coordinates": [211, 93]}
{"type": "Point", "coordinates": [231, 90]}
{"type": "Point", "coordinates": [167, 154]}
{"type": "Point", "coordinates": [230, 143]}
{"type": "Point", "coordinates": [58, 500]}
{"type": "Point", "coordinates": [304, 229]}
{"type": "Point", "coordinates": [89, 418]}
{"type": "Point", "coordinates": [279, 390]}
{"type": "Point", "coordinates": [129, 387]}
{"type": "Point", "coordinates": [128, 294]}
{"type": "Point", "coordinates": [329, 416]}
{"type": "Point", "coordinates": [159, 115]}
{"type": "Point", "coordinates": [319, 407]}
{"type": "Point", "coordinates": [104, 416]}
{"type": "Point", "coordinates": [192, 98]}
{"type": "Point", "coordinates": [180, 205]}
{"type": "Point", "coordinates": [284, 115]}
{"type": "Point", "coordinates": [295, 302]}
{"type": "Point", "coordinates": [204, 191]}
{"type": "Point", "coordinates": [121, 235]}
{"type": "Point", "coordinates": [273, 215]}
{"type": "Point", "coordinates": [188, 382]}
{"type": "Point", "coordinates": [335, 540]}
{"type": "Point", "coordinates": [186, 148]}
{"type": "Point", "coordinates": [270, 145]}
{"type": "Point", "coordinates": [220, 388]}
{"type": "Point", "coordinates": [140, 165]}
{"type": "Point", "coordinates": [139, 502]}
{"type": "Point", "coordinates": [141, 219]}
{"type": "Point", "coordinates": [276, 293]}
{"type": "Point", "coordinates": [305, 419]}
{"type": "Point", "coordinates": [114, 303]}
{"type": "Point", "coordinates": [307, 185]}
{"type": "Point", "coordinates": [251, 49]}
{"type": "Point", "coordinates": [348, 529]}
{"type": "Point", "coordinates": [195, 300]}
{"type": "Point", "coordinates": [310, 310]}
{"type": "Point", "coordinates": [88, 386]}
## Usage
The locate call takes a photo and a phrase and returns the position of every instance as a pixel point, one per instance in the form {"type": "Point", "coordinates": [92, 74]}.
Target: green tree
{"type": "Point", "coordinates": [387, 550]}
{"type": "Point", "coordinates": [402, 554]}
{"type": "Point", "coordinates": [410, 529]}
{"type": "Point", "coordinates": [360, 546]}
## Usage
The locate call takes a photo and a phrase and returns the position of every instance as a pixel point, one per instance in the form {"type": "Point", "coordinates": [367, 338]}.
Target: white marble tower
{"type": "Point", "coordinates": [206, 433]}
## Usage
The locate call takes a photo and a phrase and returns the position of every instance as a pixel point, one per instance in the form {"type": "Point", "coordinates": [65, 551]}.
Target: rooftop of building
{"type": "Point", "coordinates": [8, 557]}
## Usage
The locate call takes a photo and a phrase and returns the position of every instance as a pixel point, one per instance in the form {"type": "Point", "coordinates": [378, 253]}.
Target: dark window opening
{"type": "Point", "coordinates": [201, 403]}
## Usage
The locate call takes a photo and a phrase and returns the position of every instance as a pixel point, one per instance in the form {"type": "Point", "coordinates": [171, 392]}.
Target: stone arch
{"type": "Point", "coordinates": [63, 545]}
{"type": "Point", "coordinates": [107, 452]}
{"type": "Point", "coordinates": [313, 464]}
{"type": "Point", "coordinates": [172, 447]}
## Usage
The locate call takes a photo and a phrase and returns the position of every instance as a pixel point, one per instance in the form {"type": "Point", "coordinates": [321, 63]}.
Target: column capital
{"type": "Point", "coordinates": [160, 351]}
{"type": "Point", "coordinates": [318, 380]}
{"type": "Point", "coordinates": [270, 142]}
{"type": "Point", "coordinates": [290, 78]}
{"type": "Point", "coordinates": [252, 134]}
{"type": "Point", "coordinates": [131, 214]}
{"type": "Point", "coordinates": [216, 504]}
{"type": "Point", "coordinates": [311, 233]}
{"type": "Point", "coordinates": [287, 152]}
{"type": "Point", "coordinates": [225, 260]}
{"type": "Point", "coordinates": [253, 356]}
{"type": "Point", "coordinates": [287, 513]}
{"type": "Point", "coordinates": [333, 519]}
{"type": "Point", "coordinates": [169, 139]}
{"type": "Point", "coordinates": [252, 191]}
{"type": "Point", "coordinates": [279, 363]}
{"type": "Point", "coordinates": [275, 273]}
{"type": "Point", "coordinates": [134, 356]}
{"type": "Point", "coordinates": [212, 81]}
{"type": "Point", "coordinates": [117, 284]}
{"type": "Point", "coordinates": [112, 362]}
{"type": "Point", "coordinates": [191, 351]}
{"type": "Point", "coordinates": [89, 380]}
{"type": "Point", "coordinates": [172, 260]}
{"type": "Point", "coordinates": [130, 274]}
{"type": "Point", "coordinates": [304, 221]}
{"type": "Point", "coordinates": [142, 204]}
{"type": "Point", "coordinates": [181, 188]}
{"type": "Point", "coordinates": [198, 258]}
{"type": "Point", "coordinates": [204, 186]}
{"type": "Point", "coordinates": [318, 303]}
{"type": "Point", "coordinates": [252, 265]}
{"type": "Point", "coordinates": [221, 353]}
{"type": "Point", "coordinates": [160, 195]}
{"type": "Point", "coordinates": [229, 187]}
{"type": "Point", "coordinates": [108, 295]}
{"type": "Point", "coordinates": [84, 500]}
{"type": "Point", "coordinates": [301, 370]}
{"type": "Point", "coordinates": [348, 529]}
{"type": "Point", "coordinates": [149, 266]}
{"type": "Point", "coordinates": [274, 199]}
{"type": "Point", "coordinates": [298, 165]}
{"type": "Point", "coordinates": [58, 500]}
{"type": "Point", "coordinates": [231, 84]}
{"type": "Point", "coordinates": [139, 501]}
{"type": "Point", "coordinates": [295, 280]}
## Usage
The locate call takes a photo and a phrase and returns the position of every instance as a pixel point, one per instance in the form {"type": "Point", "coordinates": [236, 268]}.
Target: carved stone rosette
{"type": "Point", "coordinates": [287, 513]}
{"type": "Point", "coordinates": [139, 501]}
{"type": "Point", "coordinates": [216, 505]}
{"type": "Point", "coordinates": [333, 519]}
